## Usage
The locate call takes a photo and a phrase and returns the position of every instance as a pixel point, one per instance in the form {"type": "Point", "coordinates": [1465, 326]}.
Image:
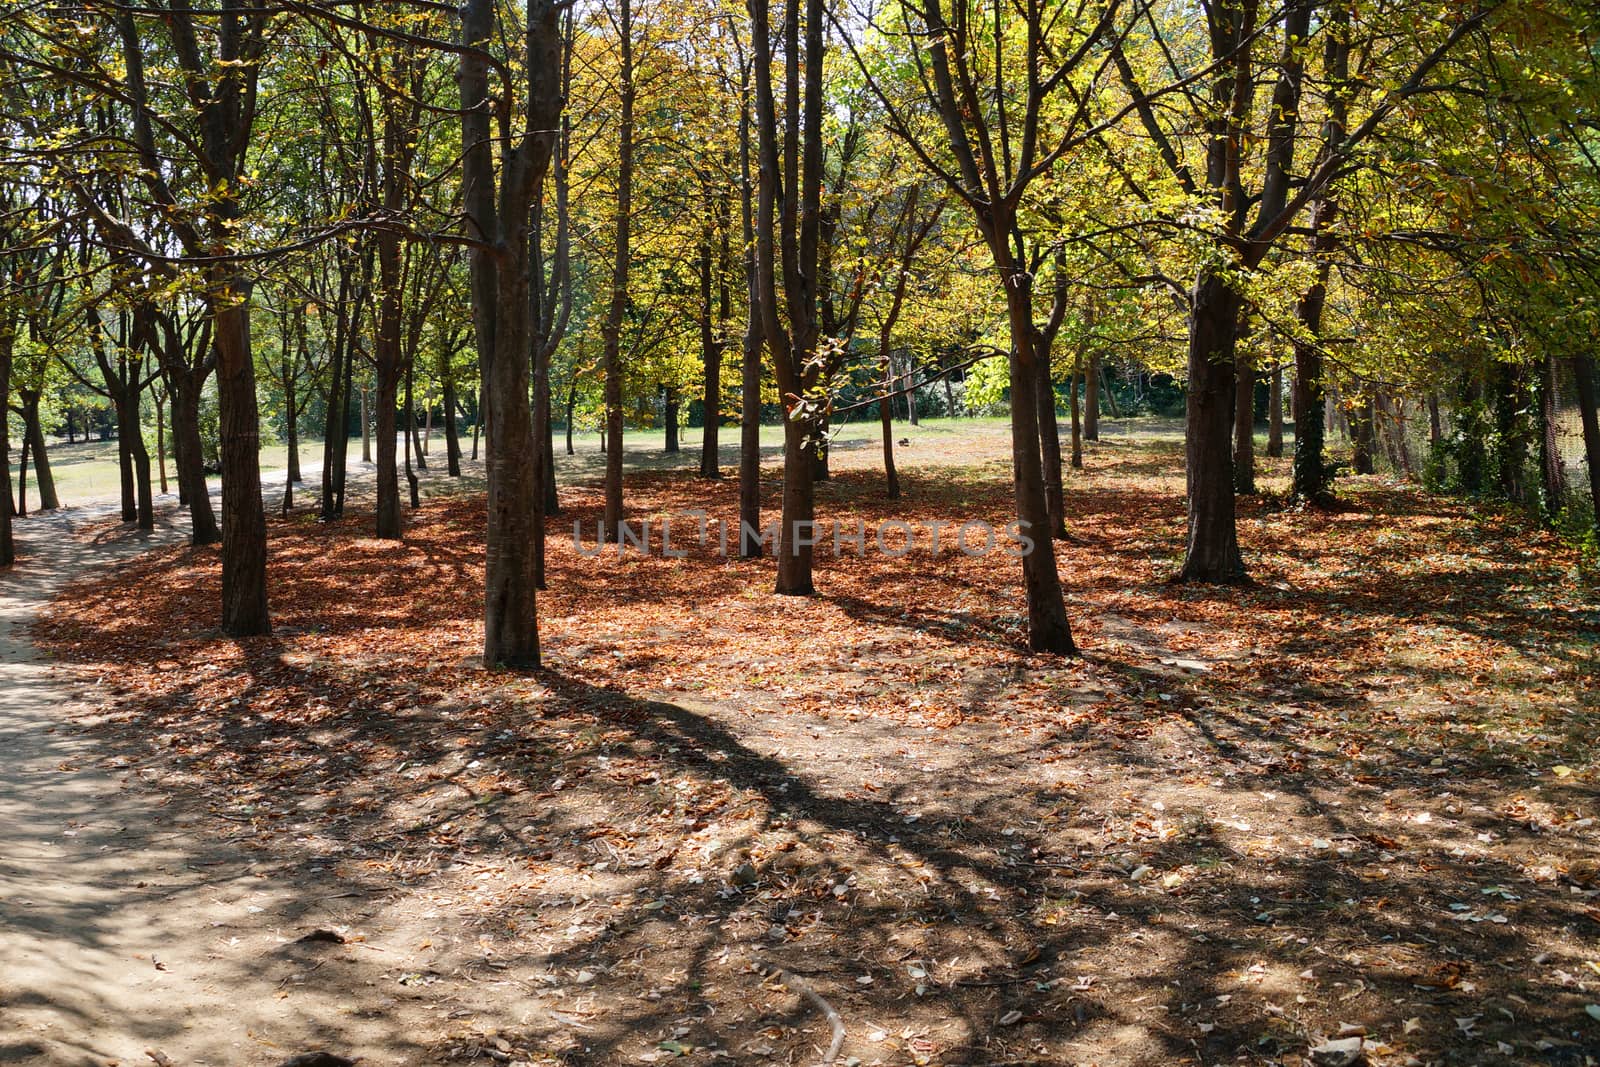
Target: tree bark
{"type": "Point", "coordinates": [710, 365]}
{"type": "Point", "coordinates": [669, 416]}
{"type": "Point", "coordinates": [244, 521]}
{"type": "Point", "coordinates": [611, 527]}
{"type": "Point", "coordinates": [1077, 435]}
{"type": "Point", "coordinates": [1275, 411]}
{"type": "Point", "coordinates": [1212, 550]}
{"type": "Point", "coordinates": [1091, 400]}
{"type": "Point", "coordinates": [452, 436]}
{"type": "Point", "coordinates": [1584, 372]}
{"type": "Point", "coordinates": [1244, 426]}
{"type": "Point", "coordinates": [43, 477]}
{"type": "Point", "coordinates": [387, 359]}
{"type": "Point", "coordinates": [8, 338]}
{"type": "Point", "coordinates": [1049, 430]}
{"type": "Point", "coordinates": [1553, 477]}
{"type": "Point", "coordinates": [189, 456]}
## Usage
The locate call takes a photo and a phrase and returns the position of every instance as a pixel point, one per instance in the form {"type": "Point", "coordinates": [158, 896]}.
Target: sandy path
{"type": "Point", "coordinates": [126, 925]}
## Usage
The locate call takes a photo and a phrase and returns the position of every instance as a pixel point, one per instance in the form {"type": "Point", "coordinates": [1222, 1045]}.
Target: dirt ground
{"type": "Point", "coordinates": [1356, 798]}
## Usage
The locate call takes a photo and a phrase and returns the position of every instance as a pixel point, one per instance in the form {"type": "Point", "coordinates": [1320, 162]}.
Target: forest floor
{"type": "Point", "coordinates": [1357, 797]}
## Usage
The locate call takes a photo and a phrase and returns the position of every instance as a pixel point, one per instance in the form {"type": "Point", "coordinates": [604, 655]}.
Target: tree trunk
{"type": "Point", "coordinates": [130, 505]}
{"type": "Point", "coordinates": [670, 413]}
{"type": "Point", "coordinates": [1583, 366]}
{"type": "Point", "coordinates": [477, 425]}
{"type": "Point", "coordinates": [452, 437]}
{"type": "Point", "coordinates": [1077, 434]}
{"type": "Point", "coordinates": [136, 478]}
{"type": "Point", "coordinates": [1275, 411]}
{"type": "Point", "coordinates": [1091, 400]}
{"type": "Point", "coordinates": [710, 366]}
{"type": "Point", "coordinates": [1311, 484]}
{"type": "Point", "coordinates": [189, 456]}
{"type": "Point", "coordinates": [1048, 628]}
{"type": "Point", "coordinates": [572, 403]}
{"type": "Point", "coordinates": [161, 441]}
{"type": "Point", "coordinates": [1049, 431]}
{"type": "Point", "coordinates": [44, 479]}
{"type": "Point", "coordinates": [366, 428]}
{"type": "Point", "coordinates": [291, 421]}
{"type": "Point", "coordinates": [1362, 431]}
{"type": "Point", "coordinates": [1244, 426]}
{"type": "Point", "coordinates": [244, 522]}
{"type": "Point", "coordinates": [387, 361]}
{"type": "Point", "coordinates": [795, 552]}
{"type": "Point", "coordinates": [8, 337]}
{"type": "Point", "coordinates": [1212, 550]}
{"type": "Point", "coordinates": [411, 474]}
{"type": "Point", "coordinates": [1553, 477]}
{"type": "Point", "coordinates": [886, 418]}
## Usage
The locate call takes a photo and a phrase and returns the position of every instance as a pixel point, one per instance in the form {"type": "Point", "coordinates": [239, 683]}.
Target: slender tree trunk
{"type": "Point", "coordinates": [1583, 366]}
{"type": "Point", "coordinates": [572, 403]}
{"type": "Point", "coordinates": [670, 415]}
{"type": "Point", "coordinates": [1435, 424]}
{"type": "Point", "coordinates": [477, 425]}
{"type": "Point", "coordinates": [1077, 426]}
{"type": "Point", "coordinates": [161, 441]}
{"type": "Point", "coordinates": [130, 503]}
{"type": "Point", "coordinates": [44, 478]}
{"type": "Point", "coordinates": [1091, 400]}
{"type": "Point", "coordinates": [366, 428]}
{"type": "Point", "coordinates": [710, 365]}
{"type": "Point", "coordinates": [291, 419]}
{"type": "Point", "coordinates": [886, 417]}
{"type": "Point", "coordinates": [1244, 426]}
{"type": "Point", "coordinates": [1109, 393]}
{"type": "Point", "coordinates": [1212, 550]}
{"type": "Point", "coordinates": [244, 522]}
{"type": "Point", "coordinates": [22, 469]}
{"type": "Point", "coordinates": [388, 360]}
{"type": "Point", "coordinates": [8, 338]}
{"type": "Point", "coordinates": [189, 455]}
{"type": "Point", "coordinates": [552, 498]}
{"type": "Point", "coordinates": [136, 478]}
{"type": "Point", "coordinates": [411, 474]}
{"type": "Point", "coordinates": [1311, 484]}
{"type": "Point", "coordinates": [1275, 411]}
{"type": "Point", "coordinates": [452, 436]}
{"type": "Point", "coordinates": [1049, 430]}
{"type": "Point", "coordinates": [1048, 628]}
{"type": "Point", "coordinates": [612, 330]}
{"type": "Point", "coordinates": [1363, 431]}
{"type": "Point", "coordinates": [1553, 477]}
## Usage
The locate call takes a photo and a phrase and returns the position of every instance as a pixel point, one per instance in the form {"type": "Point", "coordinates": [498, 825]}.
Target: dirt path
{"type": "Point", "coordinates": [126, 926]}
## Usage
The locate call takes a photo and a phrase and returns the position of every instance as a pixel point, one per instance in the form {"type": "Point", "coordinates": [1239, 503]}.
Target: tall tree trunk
{"type": "Point", "coordinates": [670, 415]}
{"type": "Point", "coordinates": [572, 403]}
{"type": "Point", "coordinates": [411, 474]}
{"type": "Point", "coordinates": [130, 504]}
{"type": "Point", "coordinates": [1584, 372]}
{"type": "Point", "coordinates": [388, 360]}
{"type": "Point", "coordinates": [1212, 551]}
{"type": "Point", "coordinates": [161, 440]}
{"type": "Point", "coordinates": [44, 478]}
{"type": "Point", "coordinates": [477, 425]}
{"type": "Point", "coordinates": [1311, 483]}
{"type": "Point", "coordinates": [244, 521]}
{"type": "Point", "coordinates": [886, 419]}
{"type": "Point", "coordinates": [1048, 628]}
{"type": "Point", "coordinates": [136, 481]}
{"type": "Point", "coordinates": [1077, 426]}
{"type": "Point", "coordinates": [8, 338]}
{"type": "Point", "coordinates": [710, 365]}
{"type": "Point", "coordinates": [452, 436]}
{"type": "Point", "coordinates": [189, 456]}
{"type": "Point", "coordinates": [1363, 438]}
{"type": "Point", "coordinates": [1244, 426]}
{"type": "Point", "coordinates": [1049, 430]}
{"type": "Point", "coordinates": [1275, 411]}
{"type": "Point", "coordinates": [612, 329]}
{"type": "Point", "coordinates": [1091, 400]}
{"type": "Point", "coordinates": [291, 424]}
{"type": "Point", "coordinates": [366, 428]}
{"type": "Point", "coordinates": [22, 469]}
{"type": "Point", "coordinates": [1553, 477]}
